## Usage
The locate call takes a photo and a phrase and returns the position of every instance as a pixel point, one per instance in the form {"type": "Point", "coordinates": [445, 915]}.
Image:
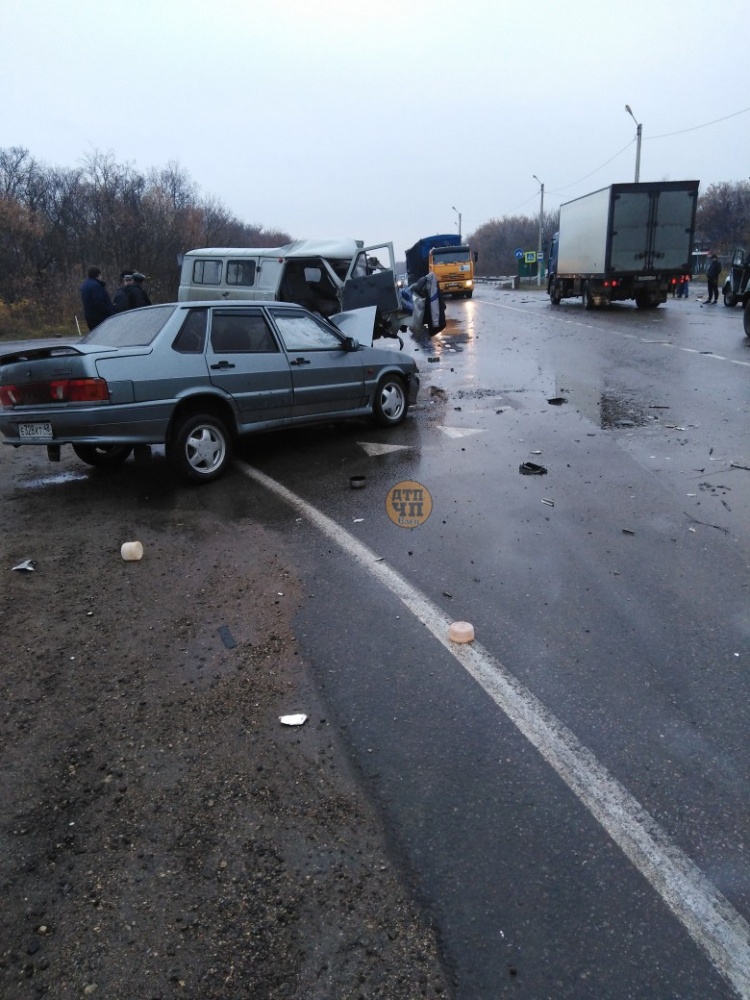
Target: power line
{"type": "Point", "coordinates": [695, 128]}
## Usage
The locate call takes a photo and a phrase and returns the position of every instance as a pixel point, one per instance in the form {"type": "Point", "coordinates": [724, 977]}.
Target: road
{"type": "Point", "coordinates": [615, 615]}
{"type": "Point", "coordinates": [567, 796]}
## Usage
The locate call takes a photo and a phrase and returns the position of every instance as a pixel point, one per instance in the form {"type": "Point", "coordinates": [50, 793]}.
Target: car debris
{"type": "Point", "coordinates": [547, 502]}
{"type": "Point", "coordinates": [532, 469]}
{"type": "Point", "coordinates": [557, 400]}
{"type": "Point", "coordinates": [131, 551]}
{"type": "Point", "coordinates": [26, 566]}
{"type": "Point", "coordinates": [293, 720]}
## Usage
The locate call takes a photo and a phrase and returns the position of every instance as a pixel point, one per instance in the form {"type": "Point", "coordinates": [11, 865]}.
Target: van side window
{"type": "Point", "coordinates": [192, 336]}
{"type": "Point", "coordinates": [207, 272]}
{"type": "Point", "coordinates": [244, 333]}
{"type": "Point", "coordinates": [240, 272]}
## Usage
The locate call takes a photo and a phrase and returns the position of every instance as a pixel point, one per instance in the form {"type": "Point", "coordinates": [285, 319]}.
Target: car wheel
{"type": "Point", "coordinates": [200, 448]}
{"type": "Point", "coordinates": [730, 299]}
{"type": "Point", "coordinates": [103, 455]}
{"type": "Point", "coordinates": [390, 403]}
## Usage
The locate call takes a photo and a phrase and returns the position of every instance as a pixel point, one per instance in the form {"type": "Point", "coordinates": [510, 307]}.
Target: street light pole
{"type": "Point", "coordinates": [637, 145]}
{"type": "Point", "coordinates": [459, 219]}
{"type": "Point", "coordinates": [541, 223]}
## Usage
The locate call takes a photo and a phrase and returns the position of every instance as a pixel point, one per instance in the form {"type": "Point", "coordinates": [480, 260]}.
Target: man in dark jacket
{"type": "Point", "coordinates": [122, 299]}
{"type": "Point", "coordinates": [138, 294]}
{"type": "Point", "coordinates": [712, 277]}
{"type": "Point", "coordinates": [97, 305]}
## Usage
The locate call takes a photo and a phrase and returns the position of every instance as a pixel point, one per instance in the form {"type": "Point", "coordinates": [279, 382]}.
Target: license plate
{"type": "Point", "coordinates": [36, 432]}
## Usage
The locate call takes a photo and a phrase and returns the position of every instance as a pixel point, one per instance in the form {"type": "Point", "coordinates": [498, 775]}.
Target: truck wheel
{"type": "Point", "coordinates": [730, 298]}
{"type": "Point", "coordinates": [555, 293]}
{"type": "Point", "coordinates": [103, 455]}
{"type": "Point", "coordinates": [200, 448]}
{"type": "Point", "coordinates": [468, 295]}
{"type": "Point", "coordinates": [588, 302]}
{"type": "Point", "coordinates": [746, 318]}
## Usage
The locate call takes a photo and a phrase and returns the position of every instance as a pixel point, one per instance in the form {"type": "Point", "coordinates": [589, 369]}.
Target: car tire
{"type": "Point", "coordinates": [103, 455]}
{"type": "Point", "coordinates": [200, 448]}
{"type": "Point", "coordinates": [730, 300]}
{"type": "Point", "coordinates": [391, 402]}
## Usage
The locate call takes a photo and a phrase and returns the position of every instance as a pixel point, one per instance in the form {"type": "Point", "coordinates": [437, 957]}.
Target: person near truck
{"type": "Point", "coordinates": [138, 294]}
{"type": "Point", "coordinates": [712, 277]}
{"type": "Point", "coordinates": [97, 305]}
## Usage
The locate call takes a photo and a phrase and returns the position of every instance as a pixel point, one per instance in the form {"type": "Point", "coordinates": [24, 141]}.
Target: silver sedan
{"type": "Point", "coordinates": [196, 376]}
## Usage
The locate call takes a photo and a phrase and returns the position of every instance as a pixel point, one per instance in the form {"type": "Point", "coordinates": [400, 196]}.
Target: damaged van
{"type": "Point", "coordinates": [324, 276]}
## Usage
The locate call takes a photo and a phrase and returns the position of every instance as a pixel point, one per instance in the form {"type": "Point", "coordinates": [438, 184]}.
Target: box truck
{"type": "Point", "coordinates": [625, 241]}
{"type": "Point", "coordinates": [449, 259]}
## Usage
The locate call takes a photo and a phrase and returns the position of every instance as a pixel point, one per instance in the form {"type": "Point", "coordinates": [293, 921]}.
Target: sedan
{"type": "Point", "coordinates": [195, 377]}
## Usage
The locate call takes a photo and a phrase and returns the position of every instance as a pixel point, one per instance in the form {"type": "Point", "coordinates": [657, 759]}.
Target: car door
{"type": "Point", "coordinates": [371, 281]}
{"type": "Point", "coordinates": [326, 377]}
{"type": "Point", "coordinates": [246, 361]}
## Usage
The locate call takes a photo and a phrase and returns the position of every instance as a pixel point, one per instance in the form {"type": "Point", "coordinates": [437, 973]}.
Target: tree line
{"type": "Point", "coordinates": [56, 222]}
{"type": "Point", "coordinates": [722, 224]}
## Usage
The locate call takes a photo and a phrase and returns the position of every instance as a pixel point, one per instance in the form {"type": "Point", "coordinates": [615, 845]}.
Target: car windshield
{"type": "Point", "coordinates": [136, 328]}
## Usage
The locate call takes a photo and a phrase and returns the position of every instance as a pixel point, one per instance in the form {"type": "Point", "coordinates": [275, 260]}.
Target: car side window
{"type": "Point", "coordinates": [241, 332]}
{"type": "Point", "coordinates": [192, 336]}
{"type": "Point", "coordinates": [301, 332]}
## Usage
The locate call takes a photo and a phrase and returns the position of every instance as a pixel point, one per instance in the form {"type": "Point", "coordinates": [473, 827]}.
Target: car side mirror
{"type": "Point", "coordinates": [351, 344]}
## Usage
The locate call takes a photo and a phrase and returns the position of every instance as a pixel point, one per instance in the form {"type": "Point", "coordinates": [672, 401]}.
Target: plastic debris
{"type": "Point", "coordinates": [548, 502]}
{"type": "Point", "coordinates": [131, 551]}
{"type": "Point", "coordinates": [461, 632]}
{"type": "Point", "coordinates": [357, 482]}
{"type": "Point", "coordinates": [557, 400]}
{"type": "Point", "coordinates": [531, 469]}
{"type": "Point", "coordinates": [27, 566]}
{"type": "Point", "coordinates": [628, 531]}
{"type": "Point", "coordinates": [226, 637]}
{"type": "Point", "coordinates": [292, 720]}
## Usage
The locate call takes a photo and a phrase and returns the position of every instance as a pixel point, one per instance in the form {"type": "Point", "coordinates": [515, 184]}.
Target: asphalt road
{"type": "Point", "coordinates": [566, 796]}
{"type": "Point", "coordinates": [569, 801]}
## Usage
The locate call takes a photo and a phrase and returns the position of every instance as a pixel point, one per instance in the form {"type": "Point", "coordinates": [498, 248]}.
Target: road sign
{"type": "Point", "coordinates": [519, 253]}
{"type": "Point", "coordinates": [530, 257]}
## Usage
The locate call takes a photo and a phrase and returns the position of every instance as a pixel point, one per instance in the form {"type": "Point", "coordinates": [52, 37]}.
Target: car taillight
{"type": "Point", "coordinates": [67, 390]}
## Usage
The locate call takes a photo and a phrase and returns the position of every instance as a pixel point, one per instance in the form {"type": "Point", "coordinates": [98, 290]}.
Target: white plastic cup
{"type": "Point", "coordinates": [131, 551]}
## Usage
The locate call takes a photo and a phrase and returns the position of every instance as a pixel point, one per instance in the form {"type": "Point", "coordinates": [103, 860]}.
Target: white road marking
{"type": "Point", "coordinates": [373, 448]}
{"type": "Point", "coordinates": [460, 432]}
{"type": "Point", "coordinates": [706, 914]}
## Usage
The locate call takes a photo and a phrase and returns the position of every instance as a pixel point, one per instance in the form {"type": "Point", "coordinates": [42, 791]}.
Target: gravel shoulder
{"type": "Point", "coordinates": [163, 834]}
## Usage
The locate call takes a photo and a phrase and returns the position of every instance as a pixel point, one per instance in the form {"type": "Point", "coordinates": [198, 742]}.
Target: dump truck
{"type": "Point", "coordinates": [448, 258]}
{"type": "Point", "coordinates": [625, 241]}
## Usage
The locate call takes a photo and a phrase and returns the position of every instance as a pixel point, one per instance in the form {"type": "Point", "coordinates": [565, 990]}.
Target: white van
{"type": "Point", "coordinates": [325, 276]}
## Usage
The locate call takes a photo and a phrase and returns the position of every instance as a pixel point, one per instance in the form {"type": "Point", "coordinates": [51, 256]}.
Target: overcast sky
{"type": "Point", "coordinates": [382, 121]}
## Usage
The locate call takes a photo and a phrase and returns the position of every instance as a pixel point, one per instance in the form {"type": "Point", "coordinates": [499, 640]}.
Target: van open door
{"type": "Point", "coordinates": [371, 280]}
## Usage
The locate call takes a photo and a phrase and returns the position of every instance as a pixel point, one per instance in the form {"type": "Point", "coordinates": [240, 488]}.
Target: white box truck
{"type": "Point", "coordinates": [625, 241]}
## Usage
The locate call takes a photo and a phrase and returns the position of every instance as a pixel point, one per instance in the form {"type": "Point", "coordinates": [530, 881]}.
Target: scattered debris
{"type": "Point", "coordinates": [226, 637]}
{"type": "Point", "coordinates": [734, 465]}
{"type": "Point", "coordinates": [548, 502]}
{"type": "Point", "coordinates": [531, 469]}
{"type": "Point", "coordinates": [26, 566]}
{"type": "Point", "coordinates": [131, 551]}
{"type": "Point", "coordinates": [461, 632]}
{"type": "Point", "coordinates": [628, 531]}
{"type": "Point", "coordinates": [432, 361]}
{"type": "Point", "coordinates": [357, 482]}
{"type": "Point", "coordinates": [557, 400]}
{"type": "Point", "coordinates": [292, 720]}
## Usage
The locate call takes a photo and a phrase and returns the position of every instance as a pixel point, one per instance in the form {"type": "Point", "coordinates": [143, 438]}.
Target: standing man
{"type": "Point", "coordinates": [138, 294]}
{"type": "Point", "coordinates": [97, 305]}
{"type": "Point", "coordinates": [122, 300]}
{"type": "Point", "coordinates": [712, 275]}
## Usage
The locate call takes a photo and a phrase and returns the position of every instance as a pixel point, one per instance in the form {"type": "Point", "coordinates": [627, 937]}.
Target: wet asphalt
{"type": "Point", "coordinates": [614, 588]}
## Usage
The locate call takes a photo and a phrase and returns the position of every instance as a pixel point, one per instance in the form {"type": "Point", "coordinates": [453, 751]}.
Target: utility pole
{"type": "Point", "coordinates": [459, 220]}
{"type": "Point", "coordinates": [638, 131]}
{"type": "Point", "coordinates": [541, 224]}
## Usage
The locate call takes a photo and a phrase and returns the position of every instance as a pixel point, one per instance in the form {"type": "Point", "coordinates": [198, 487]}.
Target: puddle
{"type": "Point", "coordinates": [617, 412]}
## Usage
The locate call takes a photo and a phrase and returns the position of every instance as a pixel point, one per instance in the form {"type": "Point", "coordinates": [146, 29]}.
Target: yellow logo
{"type": "Point", "coordinates": [408, 504]}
